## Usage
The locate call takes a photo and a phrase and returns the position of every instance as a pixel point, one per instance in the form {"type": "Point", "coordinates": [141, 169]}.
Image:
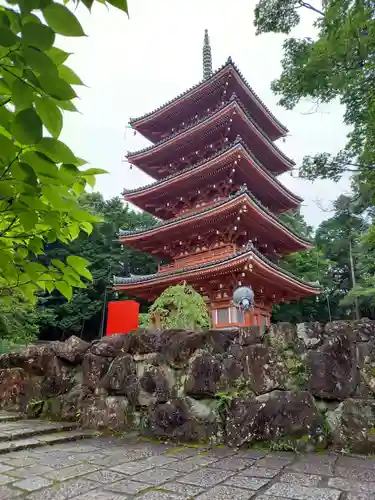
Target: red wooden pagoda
{"type": "Point", "coordinates": [218, 198]}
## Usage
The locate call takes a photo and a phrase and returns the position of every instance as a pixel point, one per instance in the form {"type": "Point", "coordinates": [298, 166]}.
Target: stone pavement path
{"type": "Point", "coordinates": [108, 468]}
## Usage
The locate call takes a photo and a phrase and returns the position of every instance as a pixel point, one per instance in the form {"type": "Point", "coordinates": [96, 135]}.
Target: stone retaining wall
{"type": "Point", "coordinates": [293, 387]}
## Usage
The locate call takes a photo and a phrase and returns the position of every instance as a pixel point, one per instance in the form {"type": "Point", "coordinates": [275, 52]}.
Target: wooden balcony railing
{"type": "Point", "coordinates": [198, 258]}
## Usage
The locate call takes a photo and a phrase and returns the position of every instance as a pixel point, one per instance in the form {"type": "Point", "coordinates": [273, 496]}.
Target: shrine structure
{"type": "Point", "coordinates": [217, 196]}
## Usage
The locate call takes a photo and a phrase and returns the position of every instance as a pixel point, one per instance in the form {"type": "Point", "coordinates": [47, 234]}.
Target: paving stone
{"type": "Point", "coordinates": [100, 495]}
{"type": "Point", "coordinates": [298, 492]}
{"type": "Point", "coordinates": [302, 479]}
{"type": "Point", "coordinates": [356, 473]}
{"type": "Point", "coordinates": [70, 472]}
{"type": "Point", "coordinates": [355, 462]}
{"type": "Point", "coordinates": [205, 477]}
{"type": "Point", "coordinates": [158, 495]}
{"type": "Point", "coordinates": [312, 467]}
{"type": "Point", "coordinates": [30, 471]}
{"type": "Point", "coordinates": [33, 483]}
{"type": "Point", "coordinates": [226, 493]}
{"type": "Point", "coordinates": [128, 487]}
{"type": "Point", "coordinates": [159, 460]}
{"type": "Point", "coordinates": [233, 463]}
{"type": "Point", "coordinates": [21, 461]}
{"type": "Point", "coordinates": [181, 452]}
{"type": "Point", "coordinates": [191, 464]}
{"type": "Point", "coordinates": [267, 497]}
{"type": "Point", "coordinates": [122, 457]}
{"type": "Point", "coordinates": [63, 491]}
{"type": "Point", "coordinates": [351, 485]}
{"type": "Point", "coordinates": [183, 489]}
{"type": "Point", "coordinates": [8, 493]}
{"type": "Point", "coordinates": [5, 468]}
{"type": "Point", "coordinates": [260, 472]}
{"type": "Point", "coordinates": [361, 496]}
{"type": "Point", "coordinates": [250, 483]}
{"type": "Point", "coordinates": [273, 462]}
{"type": "Point", "coordinates": [5, 479]}
{"type": "Point", "coordinates": [105, 476]}
{"type": "Point", "coordinates": [132, 468]}
{"type": "Point", "coordinates": [155, 477]}
{"type": "Point", "coordinates": [220, 452]}
{"type": "Point", "coordinates": [254, 454]}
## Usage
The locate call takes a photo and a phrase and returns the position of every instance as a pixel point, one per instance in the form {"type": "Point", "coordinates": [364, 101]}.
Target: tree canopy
{"type": "Point", "coordinates": [337, 63]}
{"type": "Point", "coordinates": [40, 177]}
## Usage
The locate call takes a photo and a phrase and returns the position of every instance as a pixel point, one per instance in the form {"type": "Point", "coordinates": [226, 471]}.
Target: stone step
{"type": "Point", "coordinates": [44, 440]}
{"type": "Point", "coordinates": [22, 429]}
{"type": "Point", "coordinates": [6, 416]}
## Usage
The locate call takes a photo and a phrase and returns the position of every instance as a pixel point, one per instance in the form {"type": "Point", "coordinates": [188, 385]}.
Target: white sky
{"type": "Point", "coordinates": [132, 66]}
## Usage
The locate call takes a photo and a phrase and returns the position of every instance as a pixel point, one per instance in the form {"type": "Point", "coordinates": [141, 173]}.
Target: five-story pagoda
{"type": "Point", "coordinates": [218, 198]}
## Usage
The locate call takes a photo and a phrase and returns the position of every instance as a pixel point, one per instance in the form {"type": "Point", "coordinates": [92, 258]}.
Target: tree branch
{"type": "Point", "coordinates": [310, 7]}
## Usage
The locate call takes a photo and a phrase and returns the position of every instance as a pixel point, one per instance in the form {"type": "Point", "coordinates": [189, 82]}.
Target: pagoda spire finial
{"type": "Point", "coordinates": [207, 57]}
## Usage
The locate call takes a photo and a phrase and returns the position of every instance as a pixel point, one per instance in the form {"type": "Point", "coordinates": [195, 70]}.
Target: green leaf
{"type": "Point", "coordinates": [65, 289]}
{"type": "Point", "coordinates": [90, 179]}
{"type": "Point", "coordinates": [62, 20]}
{"type": "Point", "coordinates": [4, 88]}
{"type": "Point", "coordinates": [120, 4]}
{"type": "Point", "coordinates": [94, 171]}
{"type": "Point", "coordinates": [40, 164]}
{"type": "Point", "coordinates": [69, 76]}
{"type": "Point", "coordinates": [23, 172]}
{"type": "Point", "coordinates": [77, 263]}
{"type": "Point", "coordinates": [39, 62]}
{"type": "Point", "coordinates": [6, 117]}
{"type": "Point", "coordinates": [57, 55]}
{"type": "Point", "coordinates": [23, 95]}
{"type": "Point", "coordinates": [38, 35]}
{"type": "Point", "coordinates": [27, 127]}
{"type": "Point", "coordinates": [88, 3]}
{"type": "Point", "coordinates": [50, 115]}
{"type": "Point", "coordinates": [28, 220]}
{"type": "Point", "coordinates": [56, 87]}
{"type": "Point", "coordinates": [74, 230]}
{"type": "Point", "coordinates": [87, 227]}
{"type": "Point", "coordinates": [56, 150]}
{"type": "Point", "coordinates": [7, 37]}
{"type": "Point", "coordinates": [67, 106]}
{"type": "Point", "coordinates": [8, 150]}
{"type": "Point", "coordinates": [57, 263]}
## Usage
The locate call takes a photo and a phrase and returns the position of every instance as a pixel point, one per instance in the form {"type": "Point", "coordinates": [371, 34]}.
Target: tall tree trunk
{"type": "Point", "coordinates": [351, 259]}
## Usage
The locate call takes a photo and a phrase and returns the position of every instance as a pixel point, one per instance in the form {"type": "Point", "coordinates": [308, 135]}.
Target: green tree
{"type": "Point", "coordinates": [311, 265]}
{"type": "Point", "coordinates": [180, 306]}
{"type": "Point", "coordinates": [40, 177]}
{"type": "Point", "coordinates": [83, 314]}
{"type": "Point", "coordinates": [337, 63]}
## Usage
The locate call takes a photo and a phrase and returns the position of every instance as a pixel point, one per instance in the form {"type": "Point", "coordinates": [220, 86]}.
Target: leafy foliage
{"type": "Point", "coordinates": [180, 306]}
{"type": "Point", "coordinates": [40, 177]}
{"type": "Point", "coordinates": [338, 63]}
{"type": "Point", "coordinates": [329, 262]}
{"type": "Point", "coordinates": [18, 322]}
{"type": "Point", "coordinates": [83, 314]}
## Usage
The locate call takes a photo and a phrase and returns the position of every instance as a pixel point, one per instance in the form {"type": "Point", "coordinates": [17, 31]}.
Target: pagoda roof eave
{"type": "Point", "coordinates": [243, 193]}
{"type": "Point", "coordinates": [233, 103]}
{"type": "Point", "coordinates": [238, 145]}
{"type": "Point", "coordinates": [136, 122]}
{"type": "Point", "coordinates": [244, 255]}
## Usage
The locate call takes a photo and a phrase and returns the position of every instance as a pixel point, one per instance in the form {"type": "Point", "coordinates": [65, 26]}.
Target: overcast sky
{"type": "Point", "coordinates": [133, 66]}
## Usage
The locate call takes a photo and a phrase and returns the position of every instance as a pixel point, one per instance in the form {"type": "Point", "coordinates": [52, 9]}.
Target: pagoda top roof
{"type": "Point", "coordinates": [247, 251]}
{"type": "Point", "coordinates": [243, 191]}
{"type": "Point", "coordinates": [235, 145]}
{"type": "Point", "coordinates": [233, 103]}
{"type": "Point", "coordinates": [229, 65]}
